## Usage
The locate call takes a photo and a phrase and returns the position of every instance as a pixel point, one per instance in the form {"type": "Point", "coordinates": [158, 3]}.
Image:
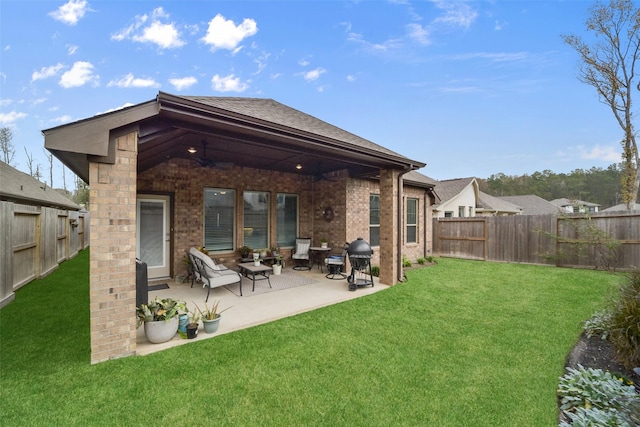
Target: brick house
{"type": "Point", "coordinates": [223, 172]}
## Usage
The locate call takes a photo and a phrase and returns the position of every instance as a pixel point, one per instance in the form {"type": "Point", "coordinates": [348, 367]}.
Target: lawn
{"type": "Point", "coordinates": [461, 343]}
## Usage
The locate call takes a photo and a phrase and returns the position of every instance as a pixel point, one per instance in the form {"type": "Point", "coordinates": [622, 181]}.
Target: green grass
{"type": "Point", "coordinates": [461, 343]}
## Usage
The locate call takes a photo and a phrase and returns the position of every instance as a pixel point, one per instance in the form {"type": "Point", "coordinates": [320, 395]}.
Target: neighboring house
{"type": "Point", "coordinates": [575, 206]}
{"type": "Point", "coordinates": [622, 208]}
{"type": "Point", "coordinates": [180, 171]}
{"type": "Point", "coordinates": [489, 205]}
{"type": "Point", "coordinates": [532, 204]}
{"type": "Point", "coordinates": [39, 229]}
{"type": "Point", "coordinates": [458, 198]}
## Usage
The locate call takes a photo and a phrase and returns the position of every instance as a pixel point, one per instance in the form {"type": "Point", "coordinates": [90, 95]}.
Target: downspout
{"type": "Point", "coordinates": [400, 228]}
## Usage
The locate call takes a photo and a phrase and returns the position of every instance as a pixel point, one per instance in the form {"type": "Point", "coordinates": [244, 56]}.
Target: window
{"type": "Point", "coordinates": [374, 219]}
{"type": "Point", "coordinates": [461, 211]}
{"type": "Point", "coordinates": [412, 220]}
{"type": "Point", "coordinates": [287, 219]}
{"type": "Point", "coordinates": [256, 219]}
{"type": "Point", "coordinates": [448, 214]}
{"type": "Point", "coordinates": [219, 219]}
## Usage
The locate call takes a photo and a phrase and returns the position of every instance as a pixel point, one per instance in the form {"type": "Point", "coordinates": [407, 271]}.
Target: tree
{"type": "Point", "coordinates": [8, 153]}
{"type": "Point", "coordinates": [609, 66]}
{"type": "Point", "coordinates": [34, 168]}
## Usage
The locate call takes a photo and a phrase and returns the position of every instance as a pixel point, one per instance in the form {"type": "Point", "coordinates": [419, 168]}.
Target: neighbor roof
{"type": "Point", "coordinates": [18, 187]}
{"type": "Point", "coordinates": [567, 202]}
{"type": "Point", "coordinates": [532, 204]}
{"type": "Point", "coordinates": [487, 202]}
{"type": "Point", "coordinates": [450, 188]}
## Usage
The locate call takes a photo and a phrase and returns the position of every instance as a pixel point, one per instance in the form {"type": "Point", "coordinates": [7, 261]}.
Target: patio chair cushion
{"type": "Point", "coordinates": [302, 250]}
{"type": "Point", "coordinates": [208, 262]}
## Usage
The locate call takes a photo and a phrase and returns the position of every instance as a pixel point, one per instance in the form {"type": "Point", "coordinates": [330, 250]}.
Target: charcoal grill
{"type": "Point", "coordinates": [360, 253]}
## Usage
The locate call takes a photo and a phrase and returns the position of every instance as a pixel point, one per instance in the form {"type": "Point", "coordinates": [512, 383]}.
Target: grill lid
{"type": "Point", "coordinates": [360, 248]}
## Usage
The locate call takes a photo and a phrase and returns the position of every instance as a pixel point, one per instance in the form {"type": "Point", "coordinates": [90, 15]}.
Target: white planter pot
{"type": "Point", "coordinates": [277, 269]}
{"type": "Point", "coordinates": [323, 245]}
{"type": "Point", "coordinates": [161, 330]}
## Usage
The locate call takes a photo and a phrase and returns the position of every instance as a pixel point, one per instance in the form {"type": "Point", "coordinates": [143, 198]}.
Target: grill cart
{"type": "Point", "coordinates": [359, 253]}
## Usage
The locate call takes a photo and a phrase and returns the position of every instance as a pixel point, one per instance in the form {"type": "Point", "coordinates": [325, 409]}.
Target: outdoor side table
{"type": "Point", "coordinates": [318, 254]}
{"type": "Point", "coordinates": [249, 269]}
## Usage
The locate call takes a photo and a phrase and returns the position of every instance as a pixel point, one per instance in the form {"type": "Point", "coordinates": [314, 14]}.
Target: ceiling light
{"type": "Point", "coordinates": [192, 150]}
{"type": "Point", "coordinates": [298, 166]}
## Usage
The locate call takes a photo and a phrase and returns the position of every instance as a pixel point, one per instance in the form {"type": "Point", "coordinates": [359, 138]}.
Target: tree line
{"type": "Point", "coordinates": [596, 185]}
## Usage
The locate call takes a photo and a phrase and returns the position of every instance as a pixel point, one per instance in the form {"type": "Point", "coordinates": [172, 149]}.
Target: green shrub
{"type": "Point", "coordinates": [599, 324]}
{"type": "Point", "coordinates": [624, 331]}
{"type": "Point", "coordinates": [421, 261]}
{"type": "Point", "coordinates": [595, 417]}
{"type": "Point", "coordinates": [405, 261]}
{"type": "Point", "coordinates": [375, 271]}
{"type": "Point", "coordinates": [430, 259]}
{"type": "Point", "coordinates": [593, 388]}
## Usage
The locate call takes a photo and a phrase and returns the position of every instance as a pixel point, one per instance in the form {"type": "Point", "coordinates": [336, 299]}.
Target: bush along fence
{"type": "Point", "coordinates": [603, 241]}
{"type": "Point", "coordinates": [35, 240]}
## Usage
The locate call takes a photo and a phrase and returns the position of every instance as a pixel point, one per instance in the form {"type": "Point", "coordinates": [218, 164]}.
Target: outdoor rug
{"type": "Point", "coordinates": [286, 280]}
{"type": "Point", "coordinates": [158, 287]}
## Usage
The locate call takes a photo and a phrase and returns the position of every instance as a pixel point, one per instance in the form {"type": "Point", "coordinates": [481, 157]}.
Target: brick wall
{"type": "Point", "coordinates": [113, 252]}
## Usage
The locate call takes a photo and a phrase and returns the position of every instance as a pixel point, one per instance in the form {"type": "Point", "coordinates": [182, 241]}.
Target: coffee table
{"type": "Point", "coordinates": [249, 269]}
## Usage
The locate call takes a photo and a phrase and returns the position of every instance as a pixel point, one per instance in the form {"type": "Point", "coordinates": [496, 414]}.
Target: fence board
{"type": "Point", "coordinates": [538, 239]}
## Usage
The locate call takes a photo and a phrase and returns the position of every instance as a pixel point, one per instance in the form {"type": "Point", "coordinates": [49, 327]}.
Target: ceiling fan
{"type": "Point", "coordinates": [208, 163]}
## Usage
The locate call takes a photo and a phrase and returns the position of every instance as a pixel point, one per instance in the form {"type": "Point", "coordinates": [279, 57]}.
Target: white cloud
{"type": "Point", "coordinates": [313, 74]}
{"type": "Point", "coordinates": [62, 119]}
{"type": "Point", "coordinates": [351, 78]}
{"type": "Point", "coordinates": [374, 47]}
{"type": "Point", "coordinates": [71, 12]}
{"type": "Point", "coordinates": [418, 33]}
{"type": "Point", "coordinates": [130, 81]}
{"type": "Point", "coordinates": [183, 82]}
{"type": "Point", "coordinates": [224, 34]}
{"type": "Point", "coordinates": [72, 49]}
{"type": "Point", "coordinates": [9, 118]}
{"type": "Point", "coordinates": [46, 72]}
{"type": "Point", "coordinates": [125, 105]}
{"type": "Point", "coordinates": [164, 35]}
{"type": "Point", "coordinates": [229, 83]}
{"type": "Point", "coordinates": [458, 14]}
{"type": "Point", "coordinates": [80, 74]}
{"type": "Point", "coordinates": [608, 153]}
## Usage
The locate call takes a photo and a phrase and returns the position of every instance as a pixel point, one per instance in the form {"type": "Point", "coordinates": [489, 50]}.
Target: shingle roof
{"type": "Point", "coordinates": [449, 188]}
{"type": "Point", "coordinates": [19, 187]}
{"type": "Point", "coordinates": [622, 208]}
{"type": "Point", "coordinates": [274, 112]}
{"type": "Point", "coordinates": [489, 202]}
{"type": "Point", "coordinates": [532, 204]}
{"type": "Point", "coordinates": [567, 202]}
{"type": "Point", "coordinates": [420, 179]}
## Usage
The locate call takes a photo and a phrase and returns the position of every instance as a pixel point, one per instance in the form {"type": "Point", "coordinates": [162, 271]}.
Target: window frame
{"type": "Point", "coordinates": [413, 225]}
{"type": "Point", "coordinates": [232, 194]}
{"type": "Point", "coordinates": [373, 225]}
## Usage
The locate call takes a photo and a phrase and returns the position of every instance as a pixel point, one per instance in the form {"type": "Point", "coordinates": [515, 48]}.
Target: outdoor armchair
{"type": "Point", "coordinates": [300, 254]}
{"type": "Point", "coordinates": [336, 264]}
{"type": "Point", "coordinates": [212, 274]}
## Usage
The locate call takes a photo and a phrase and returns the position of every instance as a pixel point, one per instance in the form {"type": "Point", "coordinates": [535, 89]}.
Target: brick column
{"type": "Point", "coordinates": [389, 226]}
{"type": "Point", "coordinates": [113, 251]}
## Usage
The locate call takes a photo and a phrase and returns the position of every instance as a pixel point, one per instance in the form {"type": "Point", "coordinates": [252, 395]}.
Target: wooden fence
{"type": "Point", "coordinates": [35, 239]}
{"type": "Point", "coordinates": [597, 241]}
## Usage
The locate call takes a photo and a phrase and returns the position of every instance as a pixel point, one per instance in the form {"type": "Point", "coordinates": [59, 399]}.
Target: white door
{"type": "Point", "coordinates": [154, 240]}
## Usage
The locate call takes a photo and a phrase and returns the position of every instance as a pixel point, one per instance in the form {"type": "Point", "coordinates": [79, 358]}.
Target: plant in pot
{"type": "Point", "coordinates": [277, 265]}
{"type": "Point", "coordinates": [160, 318]}
{"type": "Point", "coordinates": [192, 327]}
{"type": "Point", "coordinates": [211, 316]}
{"type": "Point", "coordinates": [323, 242]}
{"type": "Point", "coordinates": [244, 251]}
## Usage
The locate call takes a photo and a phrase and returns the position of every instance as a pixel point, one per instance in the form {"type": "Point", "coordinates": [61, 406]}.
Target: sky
{"type": "Point", "coordinates": [471, 88]}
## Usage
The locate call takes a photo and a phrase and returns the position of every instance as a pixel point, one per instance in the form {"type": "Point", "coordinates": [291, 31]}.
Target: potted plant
{"type": "Point", "coordinates": [160, 318]}
{"type": "Point", "coordinates": [211, 316]}
{"type": "Point", "coordinates": [192, 327]}
{"type": "Point", "coordinates": [244, 251]}
{"type": "Point", "coordinates": [277, 265]}
{"type": "Point", "coordinates": [323, 243]}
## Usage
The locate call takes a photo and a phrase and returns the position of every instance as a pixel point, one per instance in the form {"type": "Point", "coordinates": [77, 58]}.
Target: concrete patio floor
{"type": "Point", "coordinates": [251, 310]}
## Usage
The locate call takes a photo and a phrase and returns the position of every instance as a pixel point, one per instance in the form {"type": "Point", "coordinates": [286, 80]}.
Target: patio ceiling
{"type": "Point", "coordinates": [226, 132]}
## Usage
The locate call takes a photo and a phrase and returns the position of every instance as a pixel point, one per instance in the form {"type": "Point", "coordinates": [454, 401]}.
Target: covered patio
{"type": "Point", "coordinates": [255, 308]}
{"type": "Point", "coordinates": [221, 173]}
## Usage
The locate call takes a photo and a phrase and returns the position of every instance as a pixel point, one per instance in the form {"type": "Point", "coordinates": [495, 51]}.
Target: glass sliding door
{"type": "Point", "coordinates": [153, 234]}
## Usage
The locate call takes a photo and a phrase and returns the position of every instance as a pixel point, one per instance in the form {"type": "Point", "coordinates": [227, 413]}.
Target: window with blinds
{"type": "Point", "coordinates": [374, 219]}
{"type": "Point", "coordinates": [219, 219]}
{"type": "Point", "coordinates": [256, 219]}
{"type": "Point", "coordinates": [287, 219]}
{"type": "Point", "coordinates": [412, 220]}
